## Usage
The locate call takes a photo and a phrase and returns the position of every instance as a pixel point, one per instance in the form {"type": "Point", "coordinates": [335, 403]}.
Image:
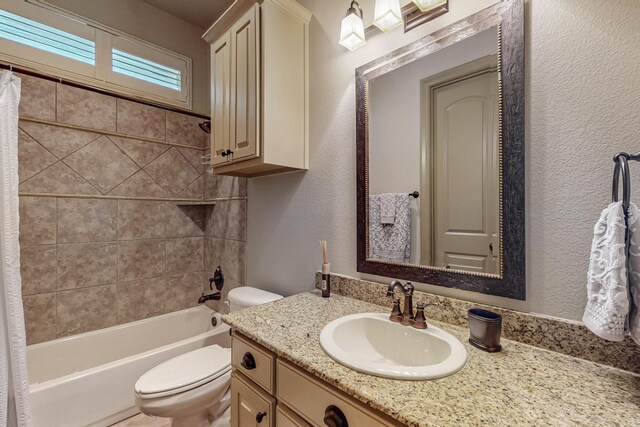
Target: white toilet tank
{"type": "Point", "coordinates": [247, 296]}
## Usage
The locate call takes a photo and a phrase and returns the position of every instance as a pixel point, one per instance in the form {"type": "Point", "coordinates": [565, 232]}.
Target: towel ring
{"type": "Point", "coordinates": [622, 166]}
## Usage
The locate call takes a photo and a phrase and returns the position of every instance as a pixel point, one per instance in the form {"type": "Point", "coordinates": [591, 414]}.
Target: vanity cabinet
{"type": "Point", "coordinates": [259, 88]}
{"type": "Point", "coordinates": [270, 391]}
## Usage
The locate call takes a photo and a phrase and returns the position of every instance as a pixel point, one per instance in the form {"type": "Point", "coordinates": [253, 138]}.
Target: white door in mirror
{"type": "Point", "coordinates": [372, 344]}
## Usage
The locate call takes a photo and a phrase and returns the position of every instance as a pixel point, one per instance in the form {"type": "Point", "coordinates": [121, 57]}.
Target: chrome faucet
{"type": "Point", "coordinates": [406, 317]}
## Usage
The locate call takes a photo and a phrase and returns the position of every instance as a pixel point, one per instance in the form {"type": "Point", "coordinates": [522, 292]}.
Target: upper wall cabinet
{"type": "Point", "coordinates": [259, 88]}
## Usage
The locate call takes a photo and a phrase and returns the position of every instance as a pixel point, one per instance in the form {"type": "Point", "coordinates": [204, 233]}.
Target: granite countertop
{"type": "Point", "coordinates": [519, 386]}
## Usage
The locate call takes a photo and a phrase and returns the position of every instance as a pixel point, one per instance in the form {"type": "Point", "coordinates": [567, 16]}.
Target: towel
{"type": "Point", "coordinates": [607, 307]}
{"type": "Point", "coordinates": [633, 223]}
{"type": "Point", "coordinates": [388, 203]}
{"type": "Point", "coordinates": [390, 241]}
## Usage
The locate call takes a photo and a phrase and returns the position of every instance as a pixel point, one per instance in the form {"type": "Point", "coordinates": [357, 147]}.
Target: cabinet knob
{"type": "Point", "coordinates": [334, 417]}
{"type": "Point", "coordinates": [248, 362]}
{"type": "Point", "coordinates": [229, 152]}
{"type": "Point", "coordinates": [260, 416]}
{"type": "Point", "coordinates": [223, 154]}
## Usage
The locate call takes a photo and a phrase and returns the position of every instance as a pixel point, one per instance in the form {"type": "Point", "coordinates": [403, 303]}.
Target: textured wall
{"type": "Point", "coordinates": [582, 106]}
{"type": "Point", "coordinates": [103, 241]}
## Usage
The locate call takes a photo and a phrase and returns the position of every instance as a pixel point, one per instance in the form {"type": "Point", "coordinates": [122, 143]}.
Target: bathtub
{"type": "Point", "coordinates": [88, 379]}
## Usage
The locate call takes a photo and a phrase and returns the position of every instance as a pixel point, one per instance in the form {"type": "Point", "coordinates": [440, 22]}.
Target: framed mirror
{"type": "Point", "coordinates": [440, 157]}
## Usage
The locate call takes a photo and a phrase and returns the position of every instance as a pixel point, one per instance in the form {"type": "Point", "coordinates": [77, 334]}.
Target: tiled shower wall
{"type": "Point", "coordinates": [104, 239]}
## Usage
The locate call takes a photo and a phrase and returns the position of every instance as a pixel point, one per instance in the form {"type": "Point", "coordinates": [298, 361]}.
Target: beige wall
{"type": "Point", "coordinates": [103, 240]}
{"type": "Point", "coordinates": [156, 26]}
{"type": "Point", "coordinates": [582, 103]}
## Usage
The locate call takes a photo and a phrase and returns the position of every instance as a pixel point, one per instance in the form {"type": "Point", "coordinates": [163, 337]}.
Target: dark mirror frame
{"type": "Point", "coordinates": [508, 16]}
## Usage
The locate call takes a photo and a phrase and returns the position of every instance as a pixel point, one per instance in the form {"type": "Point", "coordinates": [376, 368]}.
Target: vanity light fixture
{"type": "Point", "coordinates": [387, 15]}
{"type": "Point", "coordinates": [427, 5]}
{"type": "Point", "coordinates": [352, 29]}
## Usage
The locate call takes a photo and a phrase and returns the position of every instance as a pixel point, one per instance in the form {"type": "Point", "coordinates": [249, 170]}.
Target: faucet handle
{"type": "Point", "coordinates": [396, 314]}
{"type": "Point", "coordinates": [420, 322]}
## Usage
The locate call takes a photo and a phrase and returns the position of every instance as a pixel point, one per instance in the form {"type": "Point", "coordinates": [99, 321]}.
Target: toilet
{"type": "Point", "coordinates": [193, 389]}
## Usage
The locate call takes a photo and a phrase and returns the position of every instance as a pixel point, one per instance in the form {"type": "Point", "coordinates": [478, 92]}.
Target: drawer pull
{"type": "Point", "coordinates": [334, 417]}
{"type": "Point", "coordinates": [248, 362]}
{"type": "Point", "coordinates": [260, 416]}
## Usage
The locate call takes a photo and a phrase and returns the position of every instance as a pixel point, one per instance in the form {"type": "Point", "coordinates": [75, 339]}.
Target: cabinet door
{"type": "Point", "coordinates": [245, 86]}
{"type": "Point", "coordinates": [220, 98]}
{"type": "Point", "coordinates": [250, 406]}
{"type": "Point", "coordinates": [286, 418]}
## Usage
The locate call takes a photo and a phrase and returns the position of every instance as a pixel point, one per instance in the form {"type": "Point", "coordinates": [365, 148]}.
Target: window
{"type": "Point", "coordinates": [31, 33]}
{"type": "Point", "coordinates": [143, 69]}
{"type": "Point", "coordinates": [46, 40]}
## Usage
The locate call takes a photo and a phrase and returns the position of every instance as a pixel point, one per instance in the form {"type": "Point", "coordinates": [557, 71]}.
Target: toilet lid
{"type": "Point", "coordinates": [190, 369]}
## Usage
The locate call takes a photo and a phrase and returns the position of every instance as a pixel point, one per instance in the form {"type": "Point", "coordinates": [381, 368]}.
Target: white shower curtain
{"type": "Point", "coordinates": [14, 386]}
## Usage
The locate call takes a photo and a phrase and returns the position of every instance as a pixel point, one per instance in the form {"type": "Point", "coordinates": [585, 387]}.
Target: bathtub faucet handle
{"type": "Point", "coordinates": [204, 298]}
{"type": "Point", "coordinates": [218, 279]}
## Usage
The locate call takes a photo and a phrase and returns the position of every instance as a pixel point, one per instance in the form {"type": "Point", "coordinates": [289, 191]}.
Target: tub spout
{"type": "Point", "coordinates": [204, 298]}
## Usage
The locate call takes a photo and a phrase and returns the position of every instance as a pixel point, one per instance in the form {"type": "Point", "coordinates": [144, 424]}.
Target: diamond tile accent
{"type": "Point", "coordinates": [194, 157]}
{"type": "Point", "coordinates": [141, 152]}
{"type": "Point", "coordinates": [172, 171]}
{"type": "Point", "coordinates": [58, 179]}
{"type": "Point", "coordinates": [103, 164]}
{"type": "Point", "coordinates": [140, 185]}
{"type": "Point", "coordinates": [34, 158]}
{"type": "Point", "coordinates": [194, 191]}
{"type": "Point", "coordinates": [58, 140]}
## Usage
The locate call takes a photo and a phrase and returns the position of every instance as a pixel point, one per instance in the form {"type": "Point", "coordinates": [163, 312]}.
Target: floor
{"type": "Point", "coordinates": [142, 420]}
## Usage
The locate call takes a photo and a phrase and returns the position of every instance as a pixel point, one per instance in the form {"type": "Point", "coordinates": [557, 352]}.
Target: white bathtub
{"type": "Point", "coordinates": [88, 379]}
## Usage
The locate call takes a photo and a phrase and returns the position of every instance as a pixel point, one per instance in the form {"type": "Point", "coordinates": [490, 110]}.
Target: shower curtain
{"type": "Point", "coordinates": [14, 386]}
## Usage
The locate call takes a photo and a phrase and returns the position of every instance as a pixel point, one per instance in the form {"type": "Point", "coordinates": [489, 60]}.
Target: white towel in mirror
{"type": "Point", "coordinates": [388, 205]}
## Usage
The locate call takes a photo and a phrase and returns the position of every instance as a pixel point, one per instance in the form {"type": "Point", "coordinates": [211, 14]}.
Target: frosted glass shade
{"type": "Point", "coordinates": [427, 5]}
{"type": "Point", "coordinates": [387, 15]}
{"type": "Point", "coordinates": [352, 32]}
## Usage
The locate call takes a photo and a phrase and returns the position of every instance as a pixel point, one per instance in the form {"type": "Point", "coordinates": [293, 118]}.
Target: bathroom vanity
{"type": "Point", "coordinates": [269, 390]}
{"type": "Point", "coordinates": [292, 381]}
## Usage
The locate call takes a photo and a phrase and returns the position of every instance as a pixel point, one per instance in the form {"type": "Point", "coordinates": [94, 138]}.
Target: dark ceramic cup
{"type": "Point", "coordinates": [485, 328]}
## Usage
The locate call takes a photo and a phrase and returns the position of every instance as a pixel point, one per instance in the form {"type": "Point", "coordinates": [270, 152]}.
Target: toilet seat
{"type": "Point", "coordinates": [184, 372]}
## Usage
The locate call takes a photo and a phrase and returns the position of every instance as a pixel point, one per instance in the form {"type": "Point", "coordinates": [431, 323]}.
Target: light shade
{"type": "Point", "coordinates": [427, 5]}
{"type": "Point", "coordinates": [352, 32]}
{"type": "Point", "coordinates": [387, 15]}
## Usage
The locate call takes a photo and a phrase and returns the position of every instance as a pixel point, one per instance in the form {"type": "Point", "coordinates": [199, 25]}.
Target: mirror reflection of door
{"type": "Point", "coordinates": [463, 119]}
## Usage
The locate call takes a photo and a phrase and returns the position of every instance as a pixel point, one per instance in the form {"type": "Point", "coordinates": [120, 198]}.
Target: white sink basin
{"type": "Point", "coordinates": [373, 344]}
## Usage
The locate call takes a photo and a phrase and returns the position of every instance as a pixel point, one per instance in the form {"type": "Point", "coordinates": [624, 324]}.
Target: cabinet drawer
{"type": "Point", "coordinates": [250, 406]}
{"type": "Point", "coordinates": [254, 361]}
{"type": "Point", "coordinates": [287, 418]}
{"type": "Point", "coordinates": [314, 400]}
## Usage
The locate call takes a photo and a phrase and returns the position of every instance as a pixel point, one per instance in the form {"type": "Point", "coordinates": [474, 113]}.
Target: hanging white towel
{"type": "Point", "coordinates": [633, 222]}
{"type": "Point", "coordinates": [607, 286]}
{"type": "Point", "coordinates": [390, 241]}
{"type": "Point", "coordinates": [388, 204]}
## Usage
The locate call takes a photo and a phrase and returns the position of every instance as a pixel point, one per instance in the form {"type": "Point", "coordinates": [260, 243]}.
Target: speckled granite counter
{"type": "Point", "coordinates": [520, 386]}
